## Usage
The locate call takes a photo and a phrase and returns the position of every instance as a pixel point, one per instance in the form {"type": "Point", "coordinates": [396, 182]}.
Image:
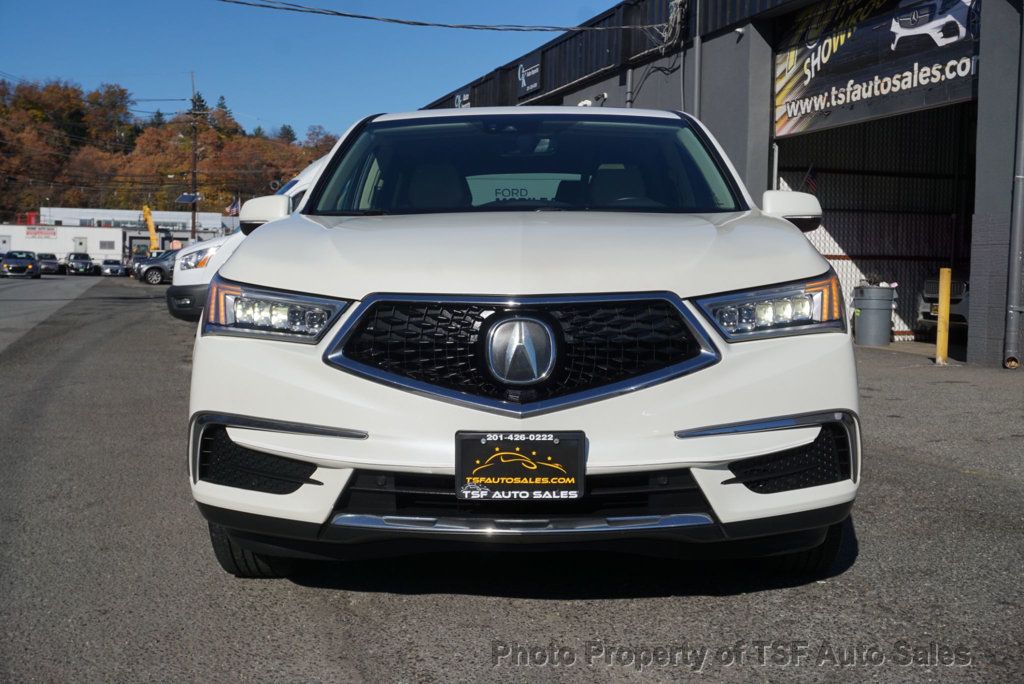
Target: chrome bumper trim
{"type": "Point", "coordinates": [848, 419]}
{"type": "Point", "coordinates": [518, 526]}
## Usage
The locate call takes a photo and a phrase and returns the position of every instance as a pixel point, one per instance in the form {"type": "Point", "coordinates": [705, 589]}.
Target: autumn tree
{"type": "Point", "coordinates": [61, 146]}
{"type": "Point", "coordinates": [318, 141]}
{"type": "Point", "coordinates": [286, 134]}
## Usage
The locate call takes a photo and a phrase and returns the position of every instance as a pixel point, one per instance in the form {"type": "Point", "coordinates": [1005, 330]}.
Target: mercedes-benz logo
{"type": "Point", "coordinates": [521, 351]}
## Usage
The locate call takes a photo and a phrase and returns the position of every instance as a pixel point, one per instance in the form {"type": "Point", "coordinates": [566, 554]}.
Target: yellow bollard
{"type": "Point", "coordinates": [942, 334]}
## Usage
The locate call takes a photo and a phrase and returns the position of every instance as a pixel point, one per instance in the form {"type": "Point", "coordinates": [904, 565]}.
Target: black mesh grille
{"type": "Point", "coordinates": [646, 493]}
{"type": "Point", "coordinates": [597, 344]}
{"type": "Point", "coordinates": [223, 462]}
{"type": "Point", "coordinates": [825, 460]}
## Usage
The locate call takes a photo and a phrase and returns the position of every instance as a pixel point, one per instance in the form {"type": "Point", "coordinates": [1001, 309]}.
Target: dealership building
{"type": "Point", "coordinates": [900, 115]}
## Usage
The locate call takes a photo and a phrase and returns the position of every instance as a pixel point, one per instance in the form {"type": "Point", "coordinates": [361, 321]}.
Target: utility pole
{"type": "Point", "coordinates": [195, 158]}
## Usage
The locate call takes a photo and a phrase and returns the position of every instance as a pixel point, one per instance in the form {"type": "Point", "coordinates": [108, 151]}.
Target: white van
{"type": "Point", "coordinates": [196, 264]}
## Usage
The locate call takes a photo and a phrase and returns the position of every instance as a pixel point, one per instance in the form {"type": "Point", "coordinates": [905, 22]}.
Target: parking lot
{"type": "Point", "coordinates": [106, 573]}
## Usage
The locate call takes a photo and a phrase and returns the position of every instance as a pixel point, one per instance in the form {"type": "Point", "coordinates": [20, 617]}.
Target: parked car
{"type": "Point", "coordinates": [928, 307]}
{"type": "Point", "coordinates": [196, 264]}
{"type": "Point", "coordinates": [627, 350]}
{"type": "Point", "coordinates": [19, 263]}
{"type": "Point", "coordinates": [112, 267]}
{"type": "Point", "coordinates": [48, 263]}
{"type": "Point", "coordinates": [80, 263]}
{"type": "Point", "coordinates": [156, 270]}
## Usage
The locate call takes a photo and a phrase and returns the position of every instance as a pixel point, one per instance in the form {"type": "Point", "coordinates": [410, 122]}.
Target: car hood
{"type": "Point", "coordinates": [206, 244]}
{"type": "Point", "coordinates": [524, 253]}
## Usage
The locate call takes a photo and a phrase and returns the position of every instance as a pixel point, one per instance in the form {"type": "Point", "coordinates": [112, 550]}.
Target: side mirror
{"type": "Point", "coordinates": [260, 210]}
{"type": "Point", "coordinates": [801, 209]}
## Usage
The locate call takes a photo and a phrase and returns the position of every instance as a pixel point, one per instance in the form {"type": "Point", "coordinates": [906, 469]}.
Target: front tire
{"type": "Point", "coordinates": [241, 562]}
{"type": "Point", "coordinates": [154, 276]}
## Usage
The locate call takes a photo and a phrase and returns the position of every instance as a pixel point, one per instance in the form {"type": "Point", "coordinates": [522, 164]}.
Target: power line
{"type": "Point", "coordinates": [282, 6]}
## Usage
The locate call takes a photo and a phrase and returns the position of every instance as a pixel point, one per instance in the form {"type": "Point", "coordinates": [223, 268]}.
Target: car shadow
{"type": "Point", "coordinates": [563, 574]}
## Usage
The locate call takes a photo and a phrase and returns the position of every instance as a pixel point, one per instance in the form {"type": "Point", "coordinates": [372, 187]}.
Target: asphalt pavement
{"type": "Point", "coordinates": [106, 572]}
{"type": "Point", "coordinates": [25, 302]}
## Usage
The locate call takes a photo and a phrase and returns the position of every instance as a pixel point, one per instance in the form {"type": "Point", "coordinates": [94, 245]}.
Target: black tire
{"type": "Point", "coordinates": [37, 276]}
{"type": "Point", "coordinates": [816, 562]}
{"type": "Point", "coordinates": [241, 562]}
{"type": "Point", "coordinates": [153, 276]}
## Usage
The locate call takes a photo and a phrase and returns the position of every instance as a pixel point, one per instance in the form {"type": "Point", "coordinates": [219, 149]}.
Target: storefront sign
{"type": "Point", "coordinates": [850, 60]}
{"type": "Point", "coordinates": [50, 233]}
{"type": "Point", "coordinates": [528, 75]}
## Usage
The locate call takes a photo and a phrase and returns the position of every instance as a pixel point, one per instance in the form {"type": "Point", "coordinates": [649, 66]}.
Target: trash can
{"type": "Point", "coordinates": [872, 312]}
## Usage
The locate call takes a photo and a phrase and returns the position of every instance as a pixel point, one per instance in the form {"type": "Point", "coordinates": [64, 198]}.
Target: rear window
{"type": "Point", "coordinates": [527, 162]}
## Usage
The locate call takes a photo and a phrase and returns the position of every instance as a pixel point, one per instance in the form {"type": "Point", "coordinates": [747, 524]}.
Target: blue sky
{"type": "Point", "coordinates": [272, 67]}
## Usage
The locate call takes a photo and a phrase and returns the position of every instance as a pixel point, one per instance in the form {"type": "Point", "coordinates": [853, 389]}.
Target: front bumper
{"type": "Point", "coordinates": [186, 301]}
{"type": "Point", "coordinates": [342, 423]}
{"type": "Point", "coordinates": [19, 272]}
{"type": "Point", "coordinates": [764, 537]}
{"type": "Point", "coordinates": [84, 269]}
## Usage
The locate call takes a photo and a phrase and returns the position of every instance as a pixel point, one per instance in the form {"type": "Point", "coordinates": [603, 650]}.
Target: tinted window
{"type": "Point", "coordinates": [571, 162]}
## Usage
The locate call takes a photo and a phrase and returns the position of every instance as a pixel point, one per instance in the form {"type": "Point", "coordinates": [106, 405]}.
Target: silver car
{"type": "Point", "coordinates": [112, 267]}
{"type": "Point", "coordinates": [48, 263]}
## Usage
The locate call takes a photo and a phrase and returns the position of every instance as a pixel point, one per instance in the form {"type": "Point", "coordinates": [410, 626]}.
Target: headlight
{"type": "Point", "coordinates": [805, 307]}
{"type": "Point", "coordinates": [237, 309]}
{"type": "Point", "coordinates": [197, 259]}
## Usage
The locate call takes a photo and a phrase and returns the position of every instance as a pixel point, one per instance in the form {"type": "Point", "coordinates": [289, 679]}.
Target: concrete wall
{"type": "Point", "coordinates": [998, 63]}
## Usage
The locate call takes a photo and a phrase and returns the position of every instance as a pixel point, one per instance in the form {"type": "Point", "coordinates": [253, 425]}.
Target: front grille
{"type": "Point", "coordinates": [823, 461]}
{"type": "Point", "coordinates": [957, 289]}
{"type": "Point", "coordinates": [628, 494]}
{"type": "Point", "coordinates": [223, 462]}
{"type": "Point", "coordinates": [597, 343]}
{"type": "Point", "coordinates": [915, 19]}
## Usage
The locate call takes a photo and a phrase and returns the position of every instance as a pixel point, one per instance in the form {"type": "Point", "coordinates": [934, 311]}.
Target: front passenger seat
{"type": "Point", "coordinates": [437, 186]}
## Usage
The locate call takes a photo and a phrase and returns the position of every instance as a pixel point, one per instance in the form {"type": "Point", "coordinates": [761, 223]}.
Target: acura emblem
{"type": "Point", "coordinates": [521, 351]}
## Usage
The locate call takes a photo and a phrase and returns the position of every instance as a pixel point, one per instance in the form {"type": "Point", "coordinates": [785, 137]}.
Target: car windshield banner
{"type": "Point", "coordinates": [845, 61]}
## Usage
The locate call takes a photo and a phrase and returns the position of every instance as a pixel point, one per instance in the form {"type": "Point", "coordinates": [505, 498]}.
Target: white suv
{"type": "Point", "coordinates": [196, 264]}
{"type": "Point", "coordinates": [525, 326]}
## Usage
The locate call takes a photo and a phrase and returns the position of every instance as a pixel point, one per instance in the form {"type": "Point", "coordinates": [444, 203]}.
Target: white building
{"type": "Point", "coordinates": [206, 221]}
{"type": "Point", "coordinates": [98, 243]}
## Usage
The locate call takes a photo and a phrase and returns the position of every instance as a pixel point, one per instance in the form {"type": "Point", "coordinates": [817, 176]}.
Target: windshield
{"type": "Point", "coordinates": [79, 256]}
{"type": "Point", "coordinates": [526, 162]}
{"type": "Point", "coordinates": [20, 255]}
{"type": "Point", "coordinates": [44, 255]}
{"type": "Point", "coordinates": [111, 262]}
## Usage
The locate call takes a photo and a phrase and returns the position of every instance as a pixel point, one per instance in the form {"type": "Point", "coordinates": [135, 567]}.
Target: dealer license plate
{"type": "Point", "coordinates": [519, 466]}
